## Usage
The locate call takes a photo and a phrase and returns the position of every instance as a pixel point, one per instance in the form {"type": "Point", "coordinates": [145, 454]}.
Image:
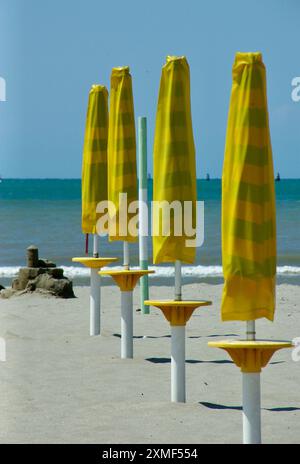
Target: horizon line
{"type": "Point", "coordinates": [151, 178]}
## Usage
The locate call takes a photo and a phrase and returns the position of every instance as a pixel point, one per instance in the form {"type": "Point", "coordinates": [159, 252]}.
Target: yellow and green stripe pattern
{"type": "Point", "coordinates": [122, 175]}
{"type": "Point", "coordinates": [174, 176]}
{"type": "Point", "coordinates": [94, 165]}
{"type": "Point", "coordinates": [248, 198]}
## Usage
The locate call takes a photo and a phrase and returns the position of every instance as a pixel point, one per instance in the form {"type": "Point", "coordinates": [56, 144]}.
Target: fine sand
{"type": "Point", "coordinates": [59, 385]}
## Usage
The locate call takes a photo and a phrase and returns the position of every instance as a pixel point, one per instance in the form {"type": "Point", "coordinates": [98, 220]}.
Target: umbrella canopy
{"type": "Point", "coordinates": [248, 198]}
{"type": "Point", "coordinates": [94, 165]}
{"type": "Point", "coordinates": [174, 160]}
{"type": "Point", "coordinates": [122, 176]}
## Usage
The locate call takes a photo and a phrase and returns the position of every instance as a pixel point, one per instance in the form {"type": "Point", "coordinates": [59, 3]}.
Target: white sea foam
{"type": "Point", "coordinates": [9, 271]}
{"type": "Point", "coordinates": [160, 271]}
{"type": "Point", "coordinates": [288, 270]}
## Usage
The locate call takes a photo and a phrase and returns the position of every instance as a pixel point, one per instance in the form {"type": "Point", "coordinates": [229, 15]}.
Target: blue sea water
{"type": "Point", "coordinates": [47, 213]}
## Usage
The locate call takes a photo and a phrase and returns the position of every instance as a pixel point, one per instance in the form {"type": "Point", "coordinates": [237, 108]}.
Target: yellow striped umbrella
{"type": "Point", "coordinates": [249, 232]}
{"type": "Point", "coordinates": [94, 165]}
{"type": "Point", "coordinates": [122, 176]}
{"type": "Point", "coordinates": [248, 198]}
{"type": "Point", "coordinates": [174, 195]}
{"type": "Point", "coordinates": [94, 191]}
{"type": "Point", "coordinates": [174, 160]}
{"type": "Point", "coordinates": [122, 180]}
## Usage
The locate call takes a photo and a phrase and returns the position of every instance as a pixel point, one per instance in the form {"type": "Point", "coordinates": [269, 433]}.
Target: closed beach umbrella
{"type": "Point", "coordinates": [94, 163]}
{"type": "Point", "coordinates": [122, 172]}
{"type": "Point", "coordinates": [174, 196]}
{"type": "Point", "coordinates": [122, 192]}
{"type": "Point", "coordinates": [249, 230]}
{"type": "Point", "coordinates": [248, 198]}
{"type": "Point", "coordinates": [174, 176]}
{"type": "Point", "coordinates": [94, 190]}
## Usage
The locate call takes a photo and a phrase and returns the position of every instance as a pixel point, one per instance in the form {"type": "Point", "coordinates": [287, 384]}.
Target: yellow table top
{"type": "Point", "coordinates": [126, 272]}
{"type": "Point", "coordinates": [94, 263]}
{"type": "Point", "coordinates": [177, 312]}
{"type": "Point", "coordinates": [179, 303]}
{"type": "Point", "coordinates": [250, 344]}
{"type": "Point", "coordinates": [251, 355]}
{"type": "Point", "coordinates": [126, 279]}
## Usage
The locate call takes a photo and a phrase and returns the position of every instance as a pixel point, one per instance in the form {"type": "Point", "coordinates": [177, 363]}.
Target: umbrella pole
{"type": "Point", "coordinates": [126, 312]}
{"type": "Point", "coordinates": [178, 363]}
{"type": "Point", "coordinates": [95, 294]}
{"type": "Point", "coordinates": [251, 399]}
{"type": "Point", "coordinates": [178, 348]}
{"type": "Point", "coordinates": [126, 325]}
{"type": "Point", "coordinates": [250, 330]}
{"type": "Point", "coordinates": [143, 212]}
{"type": "Point", "coordinates": [86, 244]}
{"type": "Point", "coordinates": [126, 255]}
{"type": "Point", "coordinates": [95, 246]}
{"type": "Point", "coordinates": [178, 284]}
{"type": "Point", "coordinates": [251, 408]}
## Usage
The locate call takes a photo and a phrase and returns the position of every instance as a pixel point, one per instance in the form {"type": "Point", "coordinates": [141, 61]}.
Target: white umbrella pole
{"type": "Point", "coordinates": [126, 325]}
{"type": "Point", "coordinates": [178, 348]}
{"type": "Point", "coordinates": [178, 364]}
{"type": "Point", "coordinates": [251, 408]}
{"type": "Point", "coordinates": [126, 312]}
{"type": "Point", "coordinates": [250, 333]}
{"type": "Point", "coordinates": [95, 324]}
{"type": "Point", "coordinates": [251, 400]}
{"type": "Point", "coordinates": [95, 246]}
{"type": "Point", "coordinates": [178, 280]}
{"type": "Point", "coordinates": [126, 255]}
{"type": "Point", "coordinates": [95, 303]}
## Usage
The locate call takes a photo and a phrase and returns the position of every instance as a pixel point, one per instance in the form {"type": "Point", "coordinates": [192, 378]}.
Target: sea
{"type": "Point", "coordinates": [47, 213]}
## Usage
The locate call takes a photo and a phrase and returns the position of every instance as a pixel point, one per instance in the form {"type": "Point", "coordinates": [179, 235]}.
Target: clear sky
{"type": "Point", "coordinates": [51, 52]}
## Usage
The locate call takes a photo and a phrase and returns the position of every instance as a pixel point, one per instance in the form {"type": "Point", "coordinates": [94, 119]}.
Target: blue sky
{"type": "Point", "coordinates": [53, 51]}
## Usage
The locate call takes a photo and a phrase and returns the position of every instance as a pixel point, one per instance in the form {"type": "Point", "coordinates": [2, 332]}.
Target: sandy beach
{"type": "Point", "coordinates": [59, 385]}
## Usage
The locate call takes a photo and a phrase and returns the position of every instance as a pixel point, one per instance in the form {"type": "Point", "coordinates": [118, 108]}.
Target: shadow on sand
{"type": "Point", "coordinates": [189, 361]}
{"type": "Point", "coordinates": [239, 408]}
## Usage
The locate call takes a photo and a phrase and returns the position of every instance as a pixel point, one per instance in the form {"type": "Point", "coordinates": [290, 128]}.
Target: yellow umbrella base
{"type": "Point", "coordinates": [177, 312]}
{"type": "Point", "coordinates": [126, 279]}
{"type": "Point", "coordinates": [94, 263]}
{"type": "Point", "coordinates": [250, 355]}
